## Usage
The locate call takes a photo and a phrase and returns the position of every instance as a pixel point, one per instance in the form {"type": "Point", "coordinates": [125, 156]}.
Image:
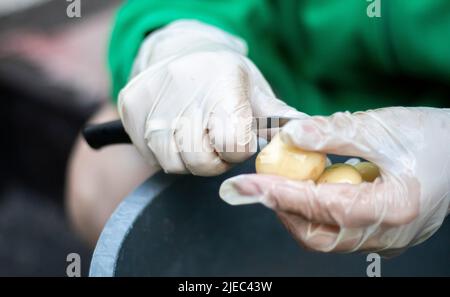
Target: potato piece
{"type": "Point", "coordinates": [369, 171]}
{"type": "Point", "coordinates": [340, 173]}
{"type": "Point", "coordinates": [278, 158]}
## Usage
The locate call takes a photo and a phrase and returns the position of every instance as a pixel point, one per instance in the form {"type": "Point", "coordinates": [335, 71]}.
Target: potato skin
{"type": "Point", "coordinates": [369, 171]}
{"type": "Point", "coordinates": [278, 158]}
{"type": "Point", "coordinates": [340, 173]}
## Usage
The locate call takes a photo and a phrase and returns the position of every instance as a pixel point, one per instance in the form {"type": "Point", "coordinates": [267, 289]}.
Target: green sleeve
{"type": "Point", "coordinates": [249, 19]}
{"type": "Point", "coordinates": [319, 56]}
{"type": "Point", "coordinates": [345, 60]}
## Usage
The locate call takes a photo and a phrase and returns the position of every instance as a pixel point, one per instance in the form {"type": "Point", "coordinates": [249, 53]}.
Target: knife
{"type": "Point", "coordinates": [109, 133]}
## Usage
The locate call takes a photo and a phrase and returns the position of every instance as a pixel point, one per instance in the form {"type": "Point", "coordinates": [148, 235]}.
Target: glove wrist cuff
{"type": "Point", "coordinates": [182, 37]}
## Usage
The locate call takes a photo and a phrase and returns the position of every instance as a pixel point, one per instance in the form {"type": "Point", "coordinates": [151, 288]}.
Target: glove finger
{"type": "Point", "coordinates": [263, 100]}
{"type": "Point", "coordinates": [311, 236]}
{"type": "Point", "coordinates": [230, 122]}
{"type": "Point", "coordinates": [341, 134]}
{"type": "Point", "coordinates": [332, 238]}
{"type": "Point", "coordinates": [161, 141]}
{"type": "Point", "coordinates": [130, 107]}
{"type": "Point", "coordinates": [267, 105]}
{"type": "Point", "coordinates": [391, 203]}
{"type": "Point", "coordinates": [196, 151]}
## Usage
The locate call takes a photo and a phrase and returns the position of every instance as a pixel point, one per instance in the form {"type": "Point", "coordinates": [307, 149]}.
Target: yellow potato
{"type": "Point", "coordinates": [278, 158]}
{"type": "Point", "coordinates": [340, 173]}
{"type": "Point", "coordinates": [369, 171]}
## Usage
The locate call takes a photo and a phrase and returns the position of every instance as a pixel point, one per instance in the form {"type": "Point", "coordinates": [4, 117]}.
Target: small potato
{"type": "Point", "coordinates": [369, 171]}
{"type": "Point", "coordinates": [278, 158]}
{"type": "Point", "coordinates": [340, 173]}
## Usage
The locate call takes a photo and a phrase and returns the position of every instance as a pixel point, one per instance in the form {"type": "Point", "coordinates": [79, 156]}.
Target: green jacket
{"type": "Point", "coordinates": [320, 56]}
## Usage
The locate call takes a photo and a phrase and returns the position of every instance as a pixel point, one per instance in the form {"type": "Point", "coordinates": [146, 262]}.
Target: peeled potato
{"type": "Point", "coordinates": [278, 158]}
{"type": "Point", "coordinates": [369, 171]}
{"type": "Point", "coordinates": [340, 173]}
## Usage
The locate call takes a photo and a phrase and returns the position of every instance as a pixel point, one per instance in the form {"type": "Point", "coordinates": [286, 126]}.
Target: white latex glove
{"type": "Point", "coordinates": [192, 100]}
{"type": "Point", "coordinates": [402, 208]}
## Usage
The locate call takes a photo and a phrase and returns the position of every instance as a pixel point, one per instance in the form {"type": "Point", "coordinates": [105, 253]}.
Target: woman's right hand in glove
{"type": "Point", "coordinates": [191, 103]}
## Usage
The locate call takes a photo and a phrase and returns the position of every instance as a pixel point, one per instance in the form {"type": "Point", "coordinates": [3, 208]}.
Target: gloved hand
{"type": "Point", "coordinates": [191, 101]}
{"type": "Point", "coordinates": [402, 208]}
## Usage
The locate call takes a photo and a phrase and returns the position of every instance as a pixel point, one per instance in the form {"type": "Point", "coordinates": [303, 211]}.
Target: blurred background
{"type": "Point", "coordinates": [53, 76]}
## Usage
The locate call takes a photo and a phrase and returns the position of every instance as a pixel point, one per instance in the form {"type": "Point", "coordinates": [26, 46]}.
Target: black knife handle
{"type": "Point", "coordinates": [100, 135]}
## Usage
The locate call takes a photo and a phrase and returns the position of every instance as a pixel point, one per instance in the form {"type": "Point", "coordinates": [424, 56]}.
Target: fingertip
{"type": "Point", "coordinates": [231, 193]}
{"type": "Point", "coordinates": [303, 133]}
{"type": "Point", "coordinates": [265, 104]}
{"type": "Point", "coordinates": [164, 148]}
{"type": "Point", "coordinates": [248, 189]}
{"type": "Point", "coordinates": [237, 152]}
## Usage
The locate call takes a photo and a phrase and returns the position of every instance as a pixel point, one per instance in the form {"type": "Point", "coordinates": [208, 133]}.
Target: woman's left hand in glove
{"type": "Point", "coordinates": [402, 208]}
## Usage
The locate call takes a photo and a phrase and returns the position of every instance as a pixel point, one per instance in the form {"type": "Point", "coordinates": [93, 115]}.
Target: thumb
{"type": "Point", "coordinates": [263, 100]}
{"type": "Point", "coordinates": [265, 104]}
{"type": "Point", "coordinates": [342, 133]}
